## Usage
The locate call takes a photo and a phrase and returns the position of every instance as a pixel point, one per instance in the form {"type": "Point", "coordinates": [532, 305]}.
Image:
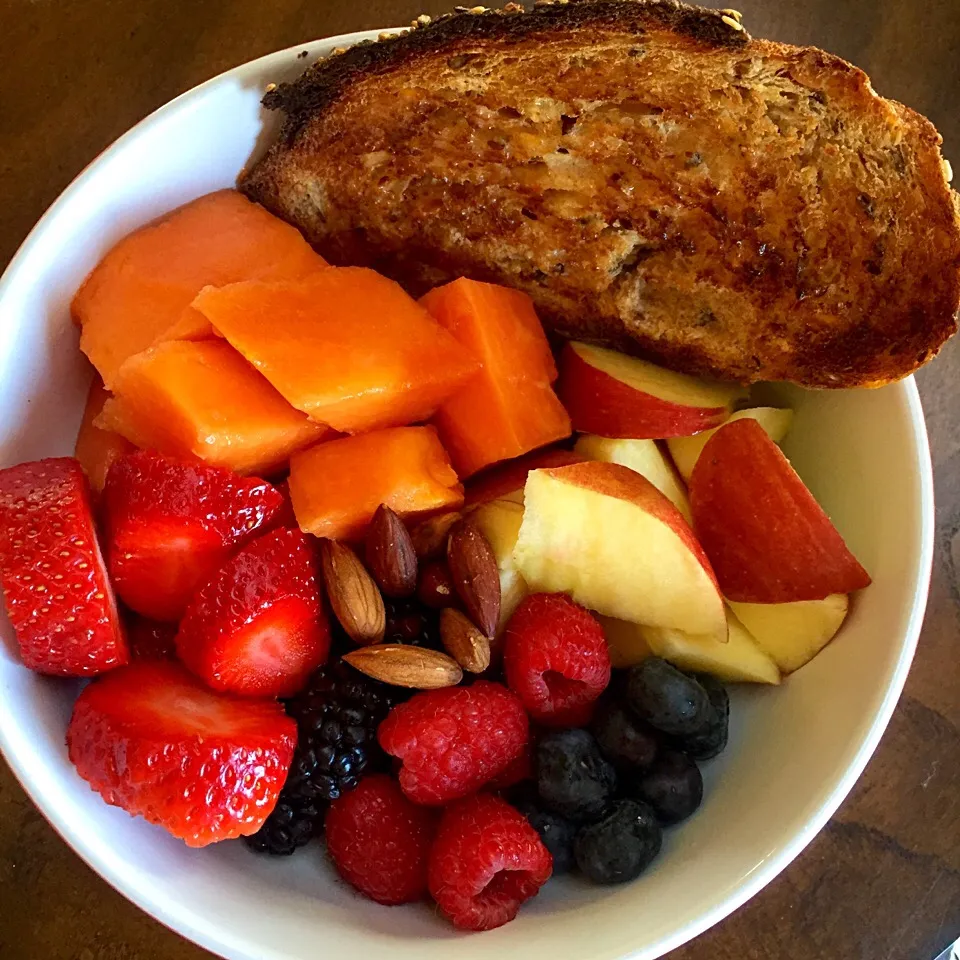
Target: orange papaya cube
{"type": "Point", "coordinates": [492, 420]}
{"type": "Point", "coordinates": [202, 399]}
{"type": "Point", "coordinates": [144, 284]}
{"type": "Point", "coordinates": [509, 408]}
{"type": "Point", "coordinates": [336, 487]}
{"type": "Point", "coordinates": [498, 325]}
{"type": "Point", "coordinates": [346, 345]}
{"type": "Point", "coordinates": [96, 449]}
{"type": "Point", "coordinates": [192, 325]}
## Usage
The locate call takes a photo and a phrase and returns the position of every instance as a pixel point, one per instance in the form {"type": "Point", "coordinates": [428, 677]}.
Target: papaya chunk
{"type": "Point", "coordinates": [96, 449]}
{"type": "Point", "coordinates": [509, 408]}
{"type": "Point", "coordinates": [143, 286]}
{"type": "Point", "coordinates": [337, 486]}
{"type": "Point", "coordinates": [497, 324]}
{"type": "Point", "coordinates": [202, 399]}
{"type": "Point", "coordinates": [345, 345]}
{"type": "Point", "coordinates": [493, 420]}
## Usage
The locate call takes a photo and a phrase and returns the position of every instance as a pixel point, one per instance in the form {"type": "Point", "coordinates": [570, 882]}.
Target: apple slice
{"type": "Point", "coordinates": [643, 456]}
{"type": "Point", "coordinates": [613, 395]}
{"type": "Point", "coordinates": [767, 537]}
{"type": "Point", "coordinates": [499, 521]}
{"type": "Point", "coordinates": [794, 633]}
{"type": "Point", "coordinates": [505, 480]}
{"type": "Point", "coordinates": [686, 450]}
{"type": "Point", "coordinates": [740, 659]}
{"type": "Point", "coordinates": [625, 641]}
{"type": "Point", "coordinates": [608, 537]}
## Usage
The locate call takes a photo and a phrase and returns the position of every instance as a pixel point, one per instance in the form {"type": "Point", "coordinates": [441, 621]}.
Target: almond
{"type": "Point", "coordinates": [435, 587]}
{"type": "Point", "coordinates": [463, 641]}
{"type": "Point", "coordinates": [354, 597]}
{"type": "Point", "coordinates": [390, 554]}
{"type": "Point", "coordinates": [476, 577]}
{"type": "Point", "coordinates": [430, 536]}
{"type": "Point", "coordinates": [405, 666]}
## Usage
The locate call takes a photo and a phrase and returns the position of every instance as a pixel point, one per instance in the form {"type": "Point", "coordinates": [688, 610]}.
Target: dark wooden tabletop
{"type": "Point", "coordinates": [882, 881]}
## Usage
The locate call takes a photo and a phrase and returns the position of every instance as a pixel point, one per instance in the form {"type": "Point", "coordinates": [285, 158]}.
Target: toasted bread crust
{"type": "Point", "coordinates": [654, 178]}
{"type": "Point", "coordinates": [322, 84]}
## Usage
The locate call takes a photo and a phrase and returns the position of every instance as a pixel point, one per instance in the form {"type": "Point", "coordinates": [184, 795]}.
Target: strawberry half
{"type": "Point", "coordinates": [55, 586]}
{"type": "Point", "coordinates": [258, 627]}
{"type": "Point", "coordinates": [170, 525]}
{"type": "Point", "coordinates": [150, 639]}
{"type": "Point", "coordinates": [151, 739]}
{"type": "Point", "coordinates": [285, 517]}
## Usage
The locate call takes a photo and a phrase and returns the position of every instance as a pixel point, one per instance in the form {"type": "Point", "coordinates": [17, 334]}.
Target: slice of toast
{"type": "Point", "coordinates": [653, 177]}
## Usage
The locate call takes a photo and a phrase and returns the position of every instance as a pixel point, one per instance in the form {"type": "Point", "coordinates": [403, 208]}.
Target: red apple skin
{"type": "Point", "coordinates": [768, 538]}
{"type": "Point", "coordinates": [510, 476]}
{"type": "Point", "coordinates": [601, 404]}
{"type": "Point", "coordinates": [622, 483]}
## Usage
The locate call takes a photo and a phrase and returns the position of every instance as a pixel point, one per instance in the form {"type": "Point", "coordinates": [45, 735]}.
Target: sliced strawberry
{"type": "Point", "coordinates": [150, 639]}
{"type": "Point", "coordinates": [258, 628]}
{"type": "Point", "coordinates": [170, 525]}
{"type": "Point", "coordinates": [56, 590]}
{"type": "Point", "coordinates": [150, 738]}
{"type": "Point", "coordinates": [285, 517]}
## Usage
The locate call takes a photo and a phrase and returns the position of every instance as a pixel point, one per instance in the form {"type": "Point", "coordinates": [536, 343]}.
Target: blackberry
{"type": "Point", "coordinates": [291, 824]}
{"type": "Point", "coordinates": [411, 622]}
{"type": "Point", "coordinates": [337, 718]}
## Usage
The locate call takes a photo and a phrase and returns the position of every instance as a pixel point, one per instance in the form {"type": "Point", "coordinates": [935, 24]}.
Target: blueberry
{"type": "Point", "coordinates": [705, 746]}
{"type": "Point", "coordinates": [669, 700]}
{"type": "Point", "coordinates": [556, 832]}
{"type": "Point", "coordinates": [627, 742]}
{"type": "Point", "coordinates": [573, 779]}
{"type": "Point", "coordinates": [672, 786]}
{"type": "Point", "coordinates": [621, 845]}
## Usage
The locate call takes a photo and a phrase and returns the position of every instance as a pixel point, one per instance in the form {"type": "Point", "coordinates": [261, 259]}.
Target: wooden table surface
{"type": "Point", "coordinates": [882, 881]}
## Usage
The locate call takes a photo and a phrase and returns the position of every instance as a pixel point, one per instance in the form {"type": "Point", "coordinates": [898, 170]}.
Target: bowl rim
{"type": "Point", "coordinates": [184, 921]}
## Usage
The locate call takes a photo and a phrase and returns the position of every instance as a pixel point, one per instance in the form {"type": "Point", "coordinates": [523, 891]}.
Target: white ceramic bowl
{"type": "Point", "coordinates": [794, 752]}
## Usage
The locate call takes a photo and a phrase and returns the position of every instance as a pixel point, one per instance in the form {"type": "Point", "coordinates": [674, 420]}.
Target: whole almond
{"type": "Point", "coordinates": [476, 577]}
{"type": "Point", "coordinates": [435, 586]}
{"type": "Point", "coordinates": [405, 666]}
{"type": "Point", "coordinates": [354, 597]}
{"type": "Point", "coordinates": [430, 535]}
{"type": "Point", "coordinates": [390, 554]}
{"type": "Point", "coordinates": [463, 641]}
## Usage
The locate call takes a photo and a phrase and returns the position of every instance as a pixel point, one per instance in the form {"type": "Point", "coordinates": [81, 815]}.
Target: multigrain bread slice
{"type": "Point", "coordinates": [651, 175]}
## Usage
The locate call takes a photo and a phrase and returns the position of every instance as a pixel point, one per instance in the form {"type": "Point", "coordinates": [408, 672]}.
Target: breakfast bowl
{"type": "Point", "coordinates": [795, 750]}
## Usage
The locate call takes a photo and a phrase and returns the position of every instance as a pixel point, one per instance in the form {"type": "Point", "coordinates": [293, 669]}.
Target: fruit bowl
{"type": "Point", "coordinates": [795, 751]}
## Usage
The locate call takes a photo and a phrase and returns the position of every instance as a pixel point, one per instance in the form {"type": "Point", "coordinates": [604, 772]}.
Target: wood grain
{"type": "Point", "coordinates": [883, 879]}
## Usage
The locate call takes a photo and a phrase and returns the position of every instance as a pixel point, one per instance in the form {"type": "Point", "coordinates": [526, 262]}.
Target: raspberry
{"type": "Point", "coordinates": [520, 770]}
{"type": "Point", "coordinates": [379, 841]}
{"type": "Point", "coordinates": [556, 659]}
{"type": "Point", "coordinates": [453, 741]}
{"type": "Point", "coordinates": [486, 861]}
